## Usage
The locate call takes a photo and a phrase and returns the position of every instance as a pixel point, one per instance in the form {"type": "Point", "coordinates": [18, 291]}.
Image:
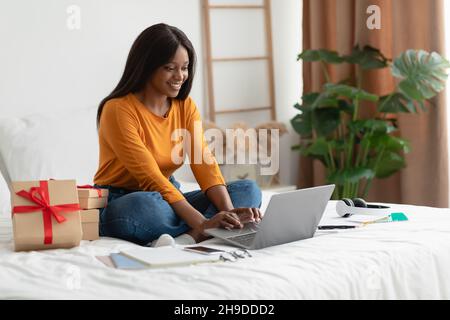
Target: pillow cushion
{"type": "Point", "coordinates": [5, 202]}
{"type": "Point", "coordinates": [59, 145]}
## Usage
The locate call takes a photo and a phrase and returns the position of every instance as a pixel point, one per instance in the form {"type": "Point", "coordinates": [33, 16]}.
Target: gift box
{"type": "Point", "coordinates": [92, 198]}
{"type": "Point", "coordinates": [45, 214]}
{"type": "Point", "coordinates": [89, 223]}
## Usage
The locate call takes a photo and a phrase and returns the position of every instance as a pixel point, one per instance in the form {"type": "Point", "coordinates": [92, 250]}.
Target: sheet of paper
{"type": "Point", "coordinates": [106, 260]}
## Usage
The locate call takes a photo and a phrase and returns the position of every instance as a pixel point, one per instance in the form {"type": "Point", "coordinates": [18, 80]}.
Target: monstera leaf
{"type": "Point", "coordinates": [367, 57]}
{"type": "Point", "coordinates": [396, 103]}
{"type": "Point", "coordinates": [349, 92]}
{"type": "Point", "coordinates": [320, 55]}
{"type": "Point", "coordinates": [424, 74]}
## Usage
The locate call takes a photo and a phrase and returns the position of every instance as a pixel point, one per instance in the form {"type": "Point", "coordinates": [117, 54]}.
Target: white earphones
{"type": "Point", "coordinates": [347, 207]}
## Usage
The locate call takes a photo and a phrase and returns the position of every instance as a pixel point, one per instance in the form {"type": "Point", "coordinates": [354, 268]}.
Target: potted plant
{"type": "Point", "coordinates": [354, 150]}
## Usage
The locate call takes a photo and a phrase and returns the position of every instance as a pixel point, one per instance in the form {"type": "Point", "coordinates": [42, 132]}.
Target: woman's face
{"type": "Point", "coordinates": [168, 79]}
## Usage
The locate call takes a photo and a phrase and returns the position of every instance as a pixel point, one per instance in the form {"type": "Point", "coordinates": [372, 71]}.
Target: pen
{"type": "Point", "coordinates": [335, 227]}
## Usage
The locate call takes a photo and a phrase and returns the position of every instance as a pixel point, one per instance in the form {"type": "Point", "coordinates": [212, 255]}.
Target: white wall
{"type": "Point", "coordinates": [46, 66]}
{"type": "Point", "coordinates": [287, 40]}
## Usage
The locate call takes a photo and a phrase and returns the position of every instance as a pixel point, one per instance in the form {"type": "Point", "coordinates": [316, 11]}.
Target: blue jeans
{"type": "Point", "coordinates": [141, 216]}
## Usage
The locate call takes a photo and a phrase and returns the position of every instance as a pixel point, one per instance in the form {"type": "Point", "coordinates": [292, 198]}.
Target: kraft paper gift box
{"type": "Point", "coordinates": [89, 223]}
{"type": "Point", "coordinates": [45, 214]}
{"type": "Point", "coordinates": [92, 198]}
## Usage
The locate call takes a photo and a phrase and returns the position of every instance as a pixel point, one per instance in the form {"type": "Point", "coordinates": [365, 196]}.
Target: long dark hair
{"type": "Point", "coordinates": [153, 48]}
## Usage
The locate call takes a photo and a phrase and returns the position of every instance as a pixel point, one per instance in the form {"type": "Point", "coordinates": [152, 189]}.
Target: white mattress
{"type": "Point", "coordinates": [402, 260]}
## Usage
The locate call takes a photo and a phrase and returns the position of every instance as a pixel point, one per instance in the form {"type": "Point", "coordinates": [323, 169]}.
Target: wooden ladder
{"type": "Point", "coordinates": [207, 7]}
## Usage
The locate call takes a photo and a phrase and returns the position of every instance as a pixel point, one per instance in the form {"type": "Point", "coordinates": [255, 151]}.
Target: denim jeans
{"type": "Point", "coordinates": [141, 216]}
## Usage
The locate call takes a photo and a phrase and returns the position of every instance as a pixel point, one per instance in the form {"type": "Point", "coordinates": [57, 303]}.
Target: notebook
{"type": "Point", "coordinates": [167, 256]}
{"type": "Point", "coordinates": [122, 262]}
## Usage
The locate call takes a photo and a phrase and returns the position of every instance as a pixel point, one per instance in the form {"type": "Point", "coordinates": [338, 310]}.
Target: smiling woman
{"type": "Point", "coordinates": [135, 125]}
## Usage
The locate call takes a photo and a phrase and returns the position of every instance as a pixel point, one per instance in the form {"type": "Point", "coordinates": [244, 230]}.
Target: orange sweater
{"type": "Point", "coordinates": [136, 147]}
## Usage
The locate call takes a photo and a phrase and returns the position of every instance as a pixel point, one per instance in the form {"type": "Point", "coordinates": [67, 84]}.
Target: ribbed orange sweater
{"type": "Point", "coordinates": [136, 147]}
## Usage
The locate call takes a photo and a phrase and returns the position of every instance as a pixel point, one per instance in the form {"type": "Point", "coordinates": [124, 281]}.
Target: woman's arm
{"type": "Point", "coordinates": [219, 196]}
{"type": "Point", "coordinates": [188, 213]}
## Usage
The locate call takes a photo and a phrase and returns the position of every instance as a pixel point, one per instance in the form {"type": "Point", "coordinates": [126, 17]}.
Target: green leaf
{"type": "Point", "coordinates": [309, 98]}
{"type": "Point", "coordinates": [318, 148]}
{"type": "Point", "coordinates": [345, 106]}
{"type": "Point", "coordinates": [411, 90]}
{"type": "Point", "coordinates": [320, 55]}
{"type": "Point", "coordinates": [351, 175]}
{"type": "Point", "coordinates": [338, 145]}
{"type": "Point", "coordinates": [367, 57]}
{"type": "Point", "coordinates": [390, 143]}
{"type": "Point", "coordinates": [302, 123]}
{"type": "Point", "coordinates": [328, 102]}
{"type": "Point", "coordinates": [373, 126]}
{"type": "Point", "coordinates": [424, 74]}
{"type": "Point", "coordinates": [396, 103]}
{"type": "Point", "coordinates": [349, 92]}
{"type": "Point", "coordinates": [326, 120]}
{"type": "Point", "coordinates": [316, 99]}
{"type": "Point", "coordinates": [389, 163]}
{"type": "Point", "coordinates": [309, 56]}
{"type": "Point", "coordinates": [324, 99]}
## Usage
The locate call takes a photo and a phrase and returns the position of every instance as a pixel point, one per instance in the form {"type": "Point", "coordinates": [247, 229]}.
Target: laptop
{"type": "Point", "coordinates": [290, 216]}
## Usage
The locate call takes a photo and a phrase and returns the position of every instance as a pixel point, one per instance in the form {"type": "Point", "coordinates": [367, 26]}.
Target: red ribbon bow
{"type": "Point", "coordinates": [43, 203]}
{"type": "Point", "coordinates": [88, 186]}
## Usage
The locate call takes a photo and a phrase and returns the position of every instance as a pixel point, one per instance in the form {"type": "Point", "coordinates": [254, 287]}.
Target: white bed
{"type": "Point", "coordinates": [402, 260]}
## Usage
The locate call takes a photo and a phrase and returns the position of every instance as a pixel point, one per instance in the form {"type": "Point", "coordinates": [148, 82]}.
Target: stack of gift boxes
{"type": "Point", "coordinates": [91, 200]}
{"type": "Point", "coordinates": [54, 214]}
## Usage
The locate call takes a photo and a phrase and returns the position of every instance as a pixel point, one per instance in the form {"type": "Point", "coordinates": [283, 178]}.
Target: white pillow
{"type": "Point", "coordinates": [58, 145]}
{"type": "Point", "coordinates": [5, 202]}
{"type": "Point", "coordinates": [5, 199]}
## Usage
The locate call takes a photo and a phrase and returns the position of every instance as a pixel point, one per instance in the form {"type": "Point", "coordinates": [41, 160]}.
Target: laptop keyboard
{"type": "Point", "coordinates": [245, 239]}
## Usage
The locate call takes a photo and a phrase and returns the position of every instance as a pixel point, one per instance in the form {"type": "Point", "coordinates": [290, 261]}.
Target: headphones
{"type": "Point", "coordinates": [347, 207]}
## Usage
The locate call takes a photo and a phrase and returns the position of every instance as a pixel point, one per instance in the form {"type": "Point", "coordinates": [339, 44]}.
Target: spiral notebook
{"type": "Point", "coordinates": [167, 256]}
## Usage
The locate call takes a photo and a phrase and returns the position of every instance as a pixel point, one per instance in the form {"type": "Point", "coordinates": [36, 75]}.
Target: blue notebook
{"type": "Point", "coordinates": [122, 262]}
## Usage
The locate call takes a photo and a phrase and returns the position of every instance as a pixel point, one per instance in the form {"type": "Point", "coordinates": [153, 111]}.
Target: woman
{"type": "Point", "coordinates": [136, 122]}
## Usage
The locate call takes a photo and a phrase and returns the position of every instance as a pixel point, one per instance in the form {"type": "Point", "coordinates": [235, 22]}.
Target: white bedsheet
{"type": "Point", "coordinates": [402, 260]}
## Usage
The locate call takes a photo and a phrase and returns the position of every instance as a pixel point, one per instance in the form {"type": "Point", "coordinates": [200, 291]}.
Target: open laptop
{"type": "Point", "coordinates": [290, 216]}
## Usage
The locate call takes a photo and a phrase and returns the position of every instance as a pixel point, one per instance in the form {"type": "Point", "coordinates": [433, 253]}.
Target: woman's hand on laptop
{"type": "Point", "coordinates": [223, 219]}
{"type": "Point", "coordinates": [247, 215]}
